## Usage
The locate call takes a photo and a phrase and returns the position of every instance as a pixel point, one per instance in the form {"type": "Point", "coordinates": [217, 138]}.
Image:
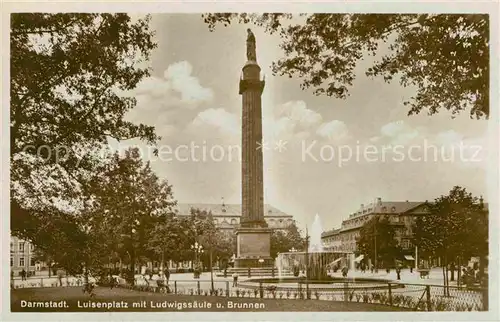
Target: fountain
{"type": "Point", "coordinates": [315, 245]}
{"type": "Point", "coordinates": [316, 259]}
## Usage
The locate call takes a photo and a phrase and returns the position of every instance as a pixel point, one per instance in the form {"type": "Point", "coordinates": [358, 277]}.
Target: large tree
{"type": "Point", "coordinates": [126, 205]}
{"type": "Point", "coordinates": [445, 56]}
{"type": "Point", "coordinates": [282, 240]}
{"type": "Point", "coordinates": [377, 240]}
{"type": "Point", "coordinates": [455, 229]}
{"type": "Point", "coordinates": [67, 72]}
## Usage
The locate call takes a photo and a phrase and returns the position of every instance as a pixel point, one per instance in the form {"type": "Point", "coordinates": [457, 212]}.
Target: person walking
{"type": "Point", "coordinates": [398, 273]}
{"type": "Point", "coordinates": [23, 275]}
{"type": "Point", "coordinates": [167, 274]}
{"type": "Point", "coordinates": [235, 279]}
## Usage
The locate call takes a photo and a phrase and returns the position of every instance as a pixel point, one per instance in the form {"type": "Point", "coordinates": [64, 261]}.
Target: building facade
{"type": "Point", "coordinates": [331, 240]}
{"type": "Point", "coordinates": [401, 214]}
{"type": "Point", "coordinates": [22, 256]}
{"type": "Point", "coordinates": [227, 217]}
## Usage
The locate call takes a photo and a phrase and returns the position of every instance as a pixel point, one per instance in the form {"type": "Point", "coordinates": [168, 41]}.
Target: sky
{"type": "Point", "coordinates": [315, 147]}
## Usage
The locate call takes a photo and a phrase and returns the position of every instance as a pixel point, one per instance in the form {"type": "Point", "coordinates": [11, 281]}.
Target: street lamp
{"type": "Point", "coordinates": [307, 264]}
{"type": "Point", "coordinates": [292, 250]}
{"type": "Point", "coordinates": [198, 249]}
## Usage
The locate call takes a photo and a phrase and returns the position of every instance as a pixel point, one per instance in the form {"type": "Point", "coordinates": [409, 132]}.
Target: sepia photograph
{"type": "Point", "coordinates": [251, 161]}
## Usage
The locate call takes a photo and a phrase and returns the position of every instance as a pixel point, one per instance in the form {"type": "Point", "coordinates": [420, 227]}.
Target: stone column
{"type": "Point", "coordinates": [253, 236]}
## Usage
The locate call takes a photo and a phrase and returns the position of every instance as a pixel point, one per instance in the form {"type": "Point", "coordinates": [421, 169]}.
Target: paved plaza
{"type": "Point", "coordinates": [435, 278]}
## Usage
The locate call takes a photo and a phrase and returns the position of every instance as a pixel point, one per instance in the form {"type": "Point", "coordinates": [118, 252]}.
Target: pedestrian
{"type": "Point", "coordinates": [398, 272]}
{"type": "Point", "coordinates": [23, 275]}
{"type": "Point", "coordinates": [344, 271]}
{"type": "Point", "coordinates": [411, 269]}
{"type": "Point", "coordinates": [235, 279]}
{"type": "Point", "coordinates": [112, 282]}
{"type": "Point", "coordinates": [167, 275]}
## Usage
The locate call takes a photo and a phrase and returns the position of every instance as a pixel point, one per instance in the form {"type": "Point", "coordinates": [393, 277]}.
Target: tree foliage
{"type": "Point", "coordinates": [444, 56]}
{"type": "Point", "coordinates": [127, 203]}
{"type": "Point", "coordinates": [282, 240]}
{"type": "Point", "coordinates": [457, 225]}
{"type": "Point", "coordinates": [67, 71]}
{"type": "Point", "coordinates": [378, 234]}
{"type": "Point", "coordinates": [221, 244]}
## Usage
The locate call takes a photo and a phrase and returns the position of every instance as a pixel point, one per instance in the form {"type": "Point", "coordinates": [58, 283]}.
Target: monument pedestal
{"type": "Point", "coordinates": [253, 248]}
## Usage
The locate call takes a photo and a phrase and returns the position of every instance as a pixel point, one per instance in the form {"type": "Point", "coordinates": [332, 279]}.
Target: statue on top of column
{"type": "Point", "coordinates": [251, 47]}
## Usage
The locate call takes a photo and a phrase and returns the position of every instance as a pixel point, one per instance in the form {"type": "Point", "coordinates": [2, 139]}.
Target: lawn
{"type": "Point", "coordinates": [71, 299]}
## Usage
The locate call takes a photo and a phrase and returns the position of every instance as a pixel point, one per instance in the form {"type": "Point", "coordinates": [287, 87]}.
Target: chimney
{"type": "Point", "coordinates": [362, 206]}
{"type": "Point", "coordinates": [379, 201]}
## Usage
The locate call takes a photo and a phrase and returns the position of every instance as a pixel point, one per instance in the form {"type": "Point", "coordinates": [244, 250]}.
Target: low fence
{"type": "Point", "coordinates": [416, 297]}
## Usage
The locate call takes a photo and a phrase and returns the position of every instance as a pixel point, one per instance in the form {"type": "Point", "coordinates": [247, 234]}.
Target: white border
{"type": "Point", "coordinates": [415, 6]}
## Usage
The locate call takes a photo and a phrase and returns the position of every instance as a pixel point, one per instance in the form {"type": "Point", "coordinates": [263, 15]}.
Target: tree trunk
{"type": "Point", "coordinates": [444, 280]}
{"type": "Point", "coordinates": [459, 271]}
{"type": "Point", "coordinates": [452, 269]}
{"type": "Point", "coordinates": [480, 267]}
{"type": "Point", "coordinates": [132, 267]}
{"type": "Point", "coordinates": [447, 290]}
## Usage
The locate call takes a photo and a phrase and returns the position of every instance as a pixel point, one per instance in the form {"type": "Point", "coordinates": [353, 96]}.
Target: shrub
{"type": "Point", "coordinates": [288, 294]}
{"type": "Point", "coordinates": [397, 300]}
{"type": "Point", "coordinates": [439, 305]}
{"type": "Point", "coordinates": [237, 293]}
{"type": "Point", "coordinates": [421, 306]}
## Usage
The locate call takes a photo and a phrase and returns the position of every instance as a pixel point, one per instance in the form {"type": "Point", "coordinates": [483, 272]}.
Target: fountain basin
{"type": "Point", "coordinates": [331, 284]}
{"type": "Point", "coordinates": [317, 264]}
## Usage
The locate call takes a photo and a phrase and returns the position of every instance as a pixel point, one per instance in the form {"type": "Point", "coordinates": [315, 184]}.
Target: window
{"type": "Point", "coordinates": [32, 247]}
{"type": "Point", "coordinates": [21, 261]}
{"type": "Point", "coordinates": [11, 261]}
{"type": "Point", "coordinates": [406, 243]}
{"type": "Point", "coordinates": [233, 221]}
{"type": "Point", "coordinates": [32, 261]}
{"type": "Point", "coordinates": [11, 247]}
{"type": "Point", "coordinates": [21, 247]}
